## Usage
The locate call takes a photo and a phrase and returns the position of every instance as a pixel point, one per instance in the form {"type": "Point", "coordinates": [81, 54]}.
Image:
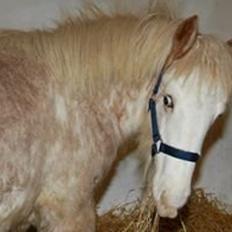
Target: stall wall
{"type": "Point", "coordinates": [215, 172]}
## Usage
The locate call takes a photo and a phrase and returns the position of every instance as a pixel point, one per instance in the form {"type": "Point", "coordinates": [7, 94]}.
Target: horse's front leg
{"type": "Point", "coordinates": [83, 221]}
{"type": "Point", "coordinates": [68, 217]}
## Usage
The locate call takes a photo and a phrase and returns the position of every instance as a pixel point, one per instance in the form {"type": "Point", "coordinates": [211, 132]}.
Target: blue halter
{"type": "Point", "coordinates": [158, 145]}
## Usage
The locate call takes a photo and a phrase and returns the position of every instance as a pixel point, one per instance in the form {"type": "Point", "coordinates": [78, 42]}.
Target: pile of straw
{"type": "Point", "coordinates": [203, 213]}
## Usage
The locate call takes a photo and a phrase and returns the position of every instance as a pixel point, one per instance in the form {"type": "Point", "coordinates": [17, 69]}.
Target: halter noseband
{"type": "Point", "coordinates": [158, 145]}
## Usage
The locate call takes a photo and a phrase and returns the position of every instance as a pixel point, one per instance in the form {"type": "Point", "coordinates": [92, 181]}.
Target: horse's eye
{"type": "Point", "coordinates": [168, 102]}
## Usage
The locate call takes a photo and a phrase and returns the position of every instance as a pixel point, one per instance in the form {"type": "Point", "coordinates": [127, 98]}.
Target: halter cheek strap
{"type": "Point", "coordinates": [158, 145]}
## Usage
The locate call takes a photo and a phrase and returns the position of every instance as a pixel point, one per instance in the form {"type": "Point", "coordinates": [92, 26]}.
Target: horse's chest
{"type": "Point", "coordinates": [97, 131]}
{"type": "Point", "coordinates": [98, 140]}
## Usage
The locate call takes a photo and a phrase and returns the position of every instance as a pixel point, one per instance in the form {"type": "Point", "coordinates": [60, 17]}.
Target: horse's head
{"type": "Point", "coordinates": [192, 94]}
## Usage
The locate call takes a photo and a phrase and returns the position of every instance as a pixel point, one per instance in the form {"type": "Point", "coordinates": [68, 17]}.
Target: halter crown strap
{"type": "Point", "coordinates": [158, 145]}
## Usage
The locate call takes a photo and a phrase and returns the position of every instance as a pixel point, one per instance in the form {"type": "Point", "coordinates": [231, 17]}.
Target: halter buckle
{"type": "Point", "coordinates": [155, 148]}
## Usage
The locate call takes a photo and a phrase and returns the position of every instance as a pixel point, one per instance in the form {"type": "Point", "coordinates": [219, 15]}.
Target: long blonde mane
{"type": "Point", "coordinates": [95, 52]}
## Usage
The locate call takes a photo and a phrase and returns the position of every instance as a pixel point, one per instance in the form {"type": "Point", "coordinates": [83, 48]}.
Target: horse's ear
{"type": "Point", "coordinates": [184, 38]}
{"type": "Point", "coordinates": [229, 42]}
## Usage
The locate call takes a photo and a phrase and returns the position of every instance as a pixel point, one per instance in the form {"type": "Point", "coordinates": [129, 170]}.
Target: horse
{"type": "Point", "coordinates": [71, 96]}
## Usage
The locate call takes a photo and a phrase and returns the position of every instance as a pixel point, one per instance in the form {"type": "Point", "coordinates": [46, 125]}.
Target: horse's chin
{"type": "Point", "coordinates": [166, 211]}
{"type": "Point", "coordinates": [168, 208]}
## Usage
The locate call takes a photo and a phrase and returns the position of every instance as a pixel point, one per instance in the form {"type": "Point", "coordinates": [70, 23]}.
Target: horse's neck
{"type": "Point", "coordinates": [99, 64]}
{"type": "Point", "coordinates": [111, 68]}
{"type": "Point", "coordinates": [129, 109]}
{"type": "Point", "coordinates": [102, 59]}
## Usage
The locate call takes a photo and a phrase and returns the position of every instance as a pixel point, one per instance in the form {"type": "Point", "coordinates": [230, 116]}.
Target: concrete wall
{"type": "Point", "coordinates": [215, 172]}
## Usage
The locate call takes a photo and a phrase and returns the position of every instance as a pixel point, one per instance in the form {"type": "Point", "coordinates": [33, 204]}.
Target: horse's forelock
{"type": "Point", "coordinates": [213, 61]}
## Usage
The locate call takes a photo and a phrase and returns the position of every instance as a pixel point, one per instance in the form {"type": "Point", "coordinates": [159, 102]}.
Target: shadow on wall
{"type": "Point", "coordinates": [214, 134]}
{"type": "Point", "coordinates": [125, 149]}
